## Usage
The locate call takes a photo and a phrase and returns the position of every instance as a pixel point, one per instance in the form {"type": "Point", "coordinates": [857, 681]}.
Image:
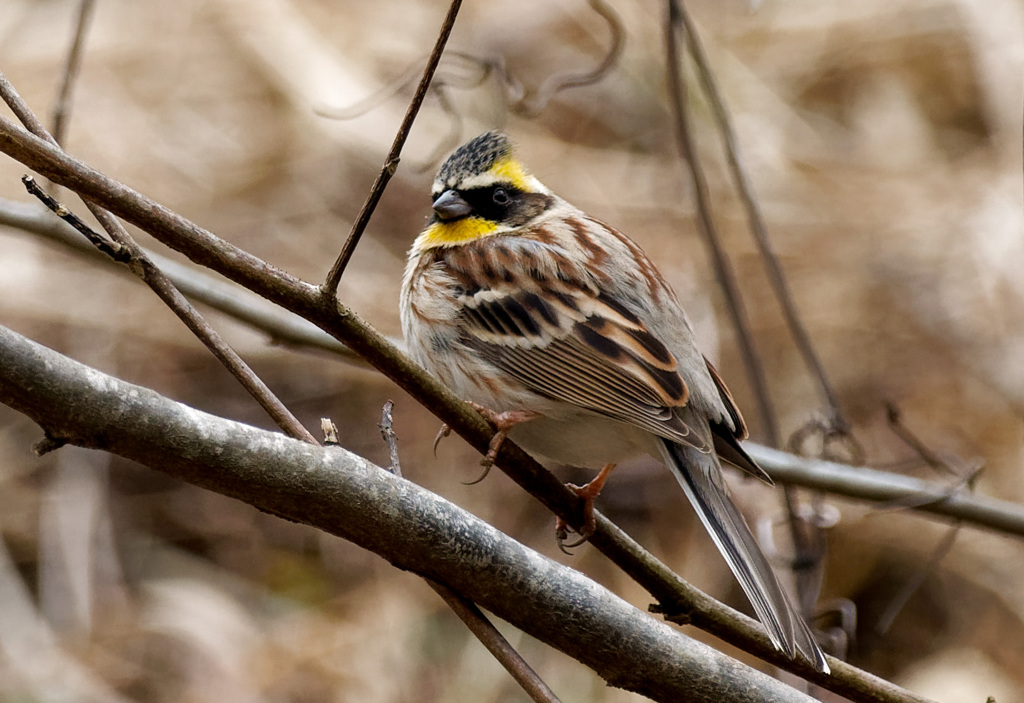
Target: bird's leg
{"type": "Point", "coordinates": [503, 423]}
{"type": "Point", "coordinates": [588, 492]}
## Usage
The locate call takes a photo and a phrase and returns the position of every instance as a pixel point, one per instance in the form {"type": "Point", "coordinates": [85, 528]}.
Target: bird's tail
{"type": "Point", "coordinates": [700, 475]}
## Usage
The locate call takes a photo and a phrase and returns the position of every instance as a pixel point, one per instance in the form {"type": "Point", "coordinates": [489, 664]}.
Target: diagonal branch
{"type": "Point", "coordinates": [496, 644]}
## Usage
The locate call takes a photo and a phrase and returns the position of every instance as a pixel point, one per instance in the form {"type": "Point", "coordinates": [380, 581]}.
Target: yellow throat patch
{"type": "Point", "coordinates": [449, 234]}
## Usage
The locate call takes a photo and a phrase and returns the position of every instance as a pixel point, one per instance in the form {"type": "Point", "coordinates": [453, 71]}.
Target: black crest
{"type": "Point", "coordinates": [475, 156]}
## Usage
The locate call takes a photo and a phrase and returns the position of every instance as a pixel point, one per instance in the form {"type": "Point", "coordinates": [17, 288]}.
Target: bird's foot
{"type": "Point", "coordinates": [503, 423]}
{"type": "Point", "coordinates": [589, 493]}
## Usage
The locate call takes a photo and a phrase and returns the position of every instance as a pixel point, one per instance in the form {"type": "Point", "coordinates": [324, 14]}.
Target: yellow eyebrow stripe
{"type": "Point", "coordinates": [511, 171]}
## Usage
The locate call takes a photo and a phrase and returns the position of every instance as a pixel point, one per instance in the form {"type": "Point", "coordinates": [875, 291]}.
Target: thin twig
{"type": "Point", "coordinates": [532, 105]}
{"type": "Point", "coordinates": [62, 109]}
{"type": "Point", "coordinates": [181, 307]}
{"type": "Point", "coordinates": [387, 432]}
{"type": "Point", "coordinates": [965, 473]}
{"type": "Point", "coordinates": [720, 260]}
{"type": "Point", "coordinates": [329, 288]}
{"type": "Point", "coordinates": [115, 251]}
{"type": "Point", "coordinates": [899, 601]}
{"type": "Point", "coordinates": [776, 277]}
{"type": "Point", "coordinates": [496, 644]}
{"type": "Point", "coordinates": [931, 457]}
{"type": "Point", "coordinates": [139, 264]}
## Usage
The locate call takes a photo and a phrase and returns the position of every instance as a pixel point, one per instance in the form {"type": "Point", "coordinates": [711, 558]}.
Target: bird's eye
{"type": "Point", "coordinates": [501, 197]}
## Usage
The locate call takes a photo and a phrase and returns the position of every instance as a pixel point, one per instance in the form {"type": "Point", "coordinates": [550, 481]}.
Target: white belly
{"type": "Point", "coordinates": [583, 439]}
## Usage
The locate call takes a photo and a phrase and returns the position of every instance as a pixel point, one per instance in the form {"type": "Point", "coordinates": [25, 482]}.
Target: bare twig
{"type": "Point", "coordinates": [111, 249]}
{"type": "Point", "coordinates": [496, 644]}
{"type": "Point", "coordinates": [965, 473]}
{"type": "Point", "coordinates": [173, 298]}
{"type": "Point", "coordinates": [466, 610]}
{"type": "Point", "coordinates": [720, 260]}
{"type": "Point", "coordinates": [776, 278]}
{"type": "Point", "coordinates": [62, 109]}
{"type": "Point", "coordinates": [959, 468]}
{"type": "Point", "coordinates": [532, 105]}
{"type": "Point", "coordinates": [387, 432]}
{"type": "Point", "coordinates": [329, 288]}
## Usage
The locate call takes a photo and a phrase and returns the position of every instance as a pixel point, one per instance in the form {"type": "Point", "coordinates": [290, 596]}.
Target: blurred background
{"type": "Point", "coordinates": [883, 140]}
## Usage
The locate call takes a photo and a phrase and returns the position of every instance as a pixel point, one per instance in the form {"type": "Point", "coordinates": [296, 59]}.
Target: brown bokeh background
{"type": "Point", "coordinates": [884, 143]}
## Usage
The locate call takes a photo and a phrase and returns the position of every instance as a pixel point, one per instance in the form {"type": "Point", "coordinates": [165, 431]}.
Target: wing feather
{"type": "Point", "coordinates": [568, 336]}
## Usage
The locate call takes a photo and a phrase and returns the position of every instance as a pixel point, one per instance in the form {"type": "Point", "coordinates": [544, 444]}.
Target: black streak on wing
{"type": "Point", "coordinates": [534, 302]}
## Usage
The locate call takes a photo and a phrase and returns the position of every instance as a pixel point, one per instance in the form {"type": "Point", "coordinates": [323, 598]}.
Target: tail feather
{"type": "Point", "coordinates": [700, 476]}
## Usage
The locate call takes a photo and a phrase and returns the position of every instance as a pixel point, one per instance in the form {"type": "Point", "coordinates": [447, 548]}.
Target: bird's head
{"type": "Point", "coordinates": [482, 190]}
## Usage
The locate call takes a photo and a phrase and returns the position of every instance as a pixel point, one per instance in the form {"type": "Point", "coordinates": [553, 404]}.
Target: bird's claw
{"type": "Point", "coordinates": [562, 531]}
{"type": "Point", "coordinates": [441, 434]}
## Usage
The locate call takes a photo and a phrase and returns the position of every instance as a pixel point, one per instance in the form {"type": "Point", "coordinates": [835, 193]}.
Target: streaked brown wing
{"type": "Point", "coordinates": [565, 338]}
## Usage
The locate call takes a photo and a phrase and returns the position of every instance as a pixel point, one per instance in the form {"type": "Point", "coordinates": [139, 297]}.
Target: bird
{"type": "Point", "coordinates": [562, 331]}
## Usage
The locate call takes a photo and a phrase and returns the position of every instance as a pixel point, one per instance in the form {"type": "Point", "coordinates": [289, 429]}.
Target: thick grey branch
{"type": "Point", "coordinates": [343, 494]}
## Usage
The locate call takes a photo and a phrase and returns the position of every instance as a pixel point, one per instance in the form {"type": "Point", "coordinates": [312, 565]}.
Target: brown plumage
{"type": "Point", "coordinates": [522, 303]}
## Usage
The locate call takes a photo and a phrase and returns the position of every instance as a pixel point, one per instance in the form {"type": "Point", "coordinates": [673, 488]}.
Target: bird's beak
{"type": "Point", "coordinates": [450, 206]}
